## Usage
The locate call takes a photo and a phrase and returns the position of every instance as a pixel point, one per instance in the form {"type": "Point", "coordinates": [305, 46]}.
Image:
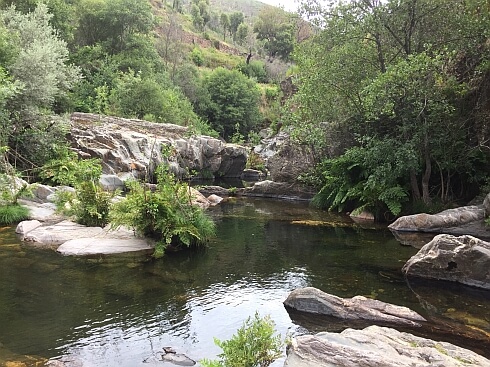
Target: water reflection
{"type": "Point", "coordinates": [119, 312]}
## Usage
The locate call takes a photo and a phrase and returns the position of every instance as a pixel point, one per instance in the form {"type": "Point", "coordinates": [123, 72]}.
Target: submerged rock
{"type": "Point", "coordinates": [377, 346]}
{"type": "Point", "coordinates": [315, 301]}
{"type": "Point", "coordinates": [463, 259]}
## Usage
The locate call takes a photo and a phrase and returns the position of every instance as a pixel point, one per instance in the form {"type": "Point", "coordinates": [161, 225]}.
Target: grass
{"type": "Point", "coordinates": [13, 213]}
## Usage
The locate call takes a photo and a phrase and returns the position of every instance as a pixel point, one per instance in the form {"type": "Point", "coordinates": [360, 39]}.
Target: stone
{"type": "Point", "coordinates": [214, 199]}
{"type": "Point", "coordinates": [252, 175]}
{"type": "Point", "coordinates": [377, 346]}
{"type": "Point", "coordinates": [40, 211]}
{"type": "Point", "coordinates": [281, 190]}
{"type": "Point", "coordinates": [178, 359]}
{"type": "Point", "coordinates": [285, 160]}
{"type": "Point", "coordinates": [27, 226]}
{"type": "Point", "coordinates": [486, 206]}
{"type": "Point", "coordinates": [198, 199]}
{"type": "Point", "coordinates": [104, 246]}
{"type": "Point", "coordinates": [313, 300]}
{"type": "Point", "coordinates": [439, 222]}
{"type": "Point", "coordinates": [111, 182]}
{"type": "Point", "coordinates": [54, 235]}
{"type": "Point", "coordinates": [134, 147]}
{"type": "Point", "coordinates": [464, 259]}
{"type": "Point", "coordinates": [214, 190]}
{"type": "Point", "coordinates": [362, 216]}
{"type": "Point", "coordinates": [42, 192]}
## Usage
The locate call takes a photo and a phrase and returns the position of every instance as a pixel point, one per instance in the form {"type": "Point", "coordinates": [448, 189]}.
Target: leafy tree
{"type": "Point", "coordinates": [276, 29]}
{"type": "Point", "coordinates": [385, 74]}
{"type": "Point", "coordinates": [224, 21]}
{"type": "Point", "coordinates": [236, 19]}
{"type": "Point", "coordinates": [231, 99]}
{"type": "Point", "coordinates": [242, 33]}
{"type": "Point", "coordinates": [38, 67]}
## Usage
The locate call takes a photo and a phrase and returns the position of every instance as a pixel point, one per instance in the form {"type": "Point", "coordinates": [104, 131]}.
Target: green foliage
{"type": "Point", "coordinates": [166, 214]}
{"type": "Point", "coordinates": [255, 161]}
{"type": "Point", "coordinates": [13, 213]}
{"type": "Point", "coordinates": [275, 28]}
{"type": "Point", "coordinates": [233, 99]}
{"type": "Point", "coordinates": [254, 69]}
{"type": "Point", "coordinates": [68, 170]}
{"type": "Point", "coordinates": [253, 345]}
{"type": "Point", "coordinates": [236, 18]}
{"type": "Point", "coordinates": [197, 56]}
{"type": "Point", "coordinates": [89, 204]}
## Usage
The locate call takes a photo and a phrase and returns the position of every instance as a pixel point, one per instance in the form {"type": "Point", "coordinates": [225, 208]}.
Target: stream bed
{"type": "Point", "coordinates": [121, 311]}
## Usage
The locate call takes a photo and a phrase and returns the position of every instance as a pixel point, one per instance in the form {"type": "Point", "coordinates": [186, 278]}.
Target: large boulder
{"type": "Point", "coordinates": [377, 346]}
{"type": "Point", "coordinates": [440, 222]}
{"type": "Point", "coordinates": [463, 259]}
{"type": "Point", "coordinates": [284, 159]}
{"type": "Point", "coordinates": [312, 300]}
{"type": "Point", "coordinates": [135, 147]}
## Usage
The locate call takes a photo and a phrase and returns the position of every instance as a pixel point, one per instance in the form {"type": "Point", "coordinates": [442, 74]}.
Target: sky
{"type": "Point", "coordinates": [290, 5]}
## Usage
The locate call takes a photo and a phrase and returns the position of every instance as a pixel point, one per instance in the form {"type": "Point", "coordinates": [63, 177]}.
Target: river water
{"type": "Point", "coordinates": [121, 311]}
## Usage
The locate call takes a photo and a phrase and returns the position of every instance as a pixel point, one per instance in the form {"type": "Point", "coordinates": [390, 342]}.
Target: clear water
{"type": "Point", "coordinates": [121, 311]}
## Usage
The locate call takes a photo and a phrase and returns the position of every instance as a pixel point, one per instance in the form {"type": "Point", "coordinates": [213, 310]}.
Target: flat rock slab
{"type": "Point", "coordinates": [57, 234]}
{"type": "Point", "coordinates": [377, 346]}
{"type": "Point", "coordinates": [103, 246]}
{"type": "Point", "coordinates": [463, 259]}
{"type": "Point", "coordinates": [312, 300]}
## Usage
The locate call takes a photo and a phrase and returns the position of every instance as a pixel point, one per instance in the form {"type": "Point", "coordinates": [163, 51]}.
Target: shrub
{"type": "Point", "coordinates": [253, 345]}
{"type": "Point", "coordinates": [13, 213]}
{"type": "Point", "coordinates": [197, 57]}
{"type": "Point", "coordinates": [165, 214]}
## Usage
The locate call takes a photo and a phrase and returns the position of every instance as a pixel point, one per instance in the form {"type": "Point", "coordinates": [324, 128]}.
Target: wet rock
{"type": "Point", "coordinates": [377, 346]}
{"type": "Point", "coordinates": [463, 259]}
{"type": "Point", "coordinates": [104, 246]}
{"type": "Point", "coordinates": [315, 301]}
{"type": "Point", "coordinates": [252, 175]}
{"type": "Point", "coordinates": [216, 190]}
{"type": "Point", "coordinates": [214, 199]}
{"type": "Point", "coordinates": [178, 359]}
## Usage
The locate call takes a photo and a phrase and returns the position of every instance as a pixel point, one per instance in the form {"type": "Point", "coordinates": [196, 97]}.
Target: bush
{"type": "Point", "coordinates": [253, 345]}
{"type": "Point", "coordinates": [13, 213]}
{"type": "Point", "coordinates": [197, 57]}
{"type": "Point", "coordinates": [254, 69]}
{"type": "Point", "coordinates": [165, 214]}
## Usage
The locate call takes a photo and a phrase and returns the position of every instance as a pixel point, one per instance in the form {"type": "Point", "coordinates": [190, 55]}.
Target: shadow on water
{"type": "Point", "coordinates": [122, 311]}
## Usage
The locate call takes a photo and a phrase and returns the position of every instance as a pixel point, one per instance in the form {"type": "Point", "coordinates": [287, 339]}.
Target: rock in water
{"type": "Point", "coordinates": [463, 259]}
{"type": "Point", "coordinates": [377, 346]}
{"type": "Point", "coordinates": [315, 301]}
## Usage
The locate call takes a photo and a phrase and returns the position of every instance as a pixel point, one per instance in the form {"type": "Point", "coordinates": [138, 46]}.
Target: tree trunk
{"type": "Point", "coordinates": [426, 177]}
{"type": "Point", "coordinates": [415, 185]}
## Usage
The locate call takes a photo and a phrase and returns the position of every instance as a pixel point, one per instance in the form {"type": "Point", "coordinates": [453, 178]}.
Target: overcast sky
{"type": "Point", "coordinates": [290, 5]}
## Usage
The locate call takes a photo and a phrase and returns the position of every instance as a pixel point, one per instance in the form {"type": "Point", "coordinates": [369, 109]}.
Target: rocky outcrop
{"type": "Point", "coordinates": [313, 300]}
{"type": "Point", "coordinates": [135, 147]}
{"type": "Point", "coordinates": [377, 346]}
{"type": "Point", "coordinates": [463, 259]}
{"type": "Point", "coordinates": [284, 159]}
{"type": "Point", "coordinates": [279, 190]}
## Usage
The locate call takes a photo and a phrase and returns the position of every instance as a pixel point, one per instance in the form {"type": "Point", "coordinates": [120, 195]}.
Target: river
{"type": "Point", "coordinates": [121, 311]}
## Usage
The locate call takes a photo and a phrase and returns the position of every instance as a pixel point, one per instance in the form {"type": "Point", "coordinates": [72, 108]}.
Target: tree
{"type": "Point", "coordinates": [386, 74]}
{"type": "Point", "coordinates": [40, 69]}
{"type": "Point", "coordinates": [276, 28]}
{"type": "Point", "coordinates": [224, 20]}
{"type": "Point", "coordinates": [242, 33]}
{"type": "Point", "coordinates": [236, 19]}
{"type": "Point", "coordinates": [231, 100]}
